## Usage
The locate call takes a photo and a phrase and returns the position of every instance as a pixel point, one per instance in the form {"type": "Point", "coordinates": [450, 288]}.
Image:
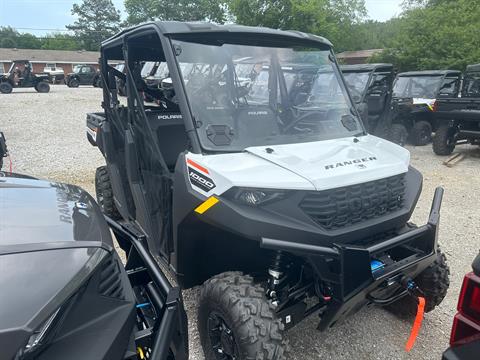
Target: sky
{"type": "Point", "coordinates": [41, 16]}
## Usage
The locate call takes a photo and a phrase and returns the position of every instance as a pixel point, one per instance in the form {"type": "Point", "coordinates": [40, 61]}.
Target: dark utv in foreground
{"type": "Point", "coordinates": [459, 117]}
{"type": "Point", "coordinates": [65, 293]}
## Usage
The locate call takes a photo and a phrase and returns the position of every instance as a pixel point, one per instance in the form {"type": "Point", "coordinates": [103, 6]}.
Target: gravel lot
{"type": "Point", "coordinates": [46, 137]}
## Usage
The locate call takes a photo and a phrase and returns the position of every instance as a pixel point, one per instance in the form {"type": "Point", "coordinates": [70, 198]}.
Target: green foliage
{"type": "Point", "coordinates": [182, 10]}
{"type": "Point", "coordinates": [11, 38]}
{"type": "Point", "coordinates": [96, 21]}
{"type": "Point", "coordinates": [333, 19]}
{"type": "Point", "coordinates": [58, 41]}
{"type": "Point", "coordinates": [437, 34]}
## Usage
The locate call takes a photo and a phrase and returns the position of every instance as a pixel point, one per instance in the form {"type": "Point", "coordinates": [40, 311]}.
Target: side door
{"type": "Point", "coordinates": [86, 75]}
{"type": "Point", "coordinates": [450, 87]}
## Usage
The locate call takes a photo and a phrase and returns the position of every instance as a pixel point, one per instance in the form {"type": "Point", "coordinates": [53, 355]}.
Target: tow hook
{"type": "Point", "coordinates": [417, 293]}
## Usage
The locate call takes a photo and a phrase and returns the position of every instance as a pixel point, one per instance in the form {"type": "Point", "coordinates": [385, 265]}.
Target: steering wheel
{"type": "Point", "coordinates": [296, 112]}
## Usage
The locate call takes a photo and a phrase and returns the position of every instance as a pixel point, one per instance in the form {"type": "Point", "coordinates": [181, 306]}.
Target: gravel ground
{"type": "Point", "coordinates": [46, 137]}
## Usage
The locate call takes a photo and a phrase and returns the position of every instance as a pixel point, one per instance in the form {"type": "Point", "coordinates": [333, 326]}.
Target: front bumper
{"type": "Point", "coordinates": [347, 268]}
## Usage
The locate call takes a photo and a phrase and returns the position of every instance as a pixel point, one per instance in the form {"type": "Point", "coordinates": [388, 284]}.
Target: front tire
{"type": "Point", "coordinates": [73, 83]}
{"type": "Point", "coordinates": [6, 87]}
{"type": "Point", "coordinates": [421, 133]}
{"type": "Point", "coordinates": [42, 87]}
{"type": "Point", "coordinates": [433, 281]}
{"type": "Point", "coordinates": [444, 140]}
{"type": "Point", "coordinates": [104, 192]}
{"type": "Point", "coordinates": [236, 321]}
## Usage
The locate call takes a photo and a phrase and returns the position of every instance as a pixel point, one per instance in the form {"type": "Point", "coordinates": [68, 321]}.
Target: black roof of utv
{"type": "Point", "coordinates": [430, 73]}
{"type": "Point", "coordinates": [366, 67]}
{"type": "Point", "coordinates": [207, 31]}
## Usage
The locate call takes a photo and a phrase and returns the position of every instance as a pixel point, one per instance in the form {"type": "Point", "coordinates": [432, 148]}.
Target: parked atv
{"type": "Point", "coordinates": [83, 75]}
{"type": "Point", "coordinates": [459, 117]}
{"type": "Point", "coordinates": [20, 75]}
{"type": "Point", "coordinates": [371, 88]}
{"type": "Point", "coordinates": [66, 293]}
{"type": "Point", "coordinates": [3, 149]}
{"type": "Point", "coordinates": [415, 96]}
{"type": "Point", "coordinates": [280, 209]}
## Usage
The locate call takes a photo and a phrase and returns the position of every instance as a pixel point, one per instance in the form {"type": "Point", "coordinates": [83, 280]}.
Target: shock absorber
{"type": "Point", "coordinates": [277, 275]}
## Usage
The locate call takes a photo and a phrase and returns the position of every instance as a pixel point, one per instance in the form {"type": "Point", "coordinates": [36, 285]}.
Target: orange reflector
{"type": "Point", "coordinates": [207, 204]}
{"type": "Point", "coordinates": [416, 325]}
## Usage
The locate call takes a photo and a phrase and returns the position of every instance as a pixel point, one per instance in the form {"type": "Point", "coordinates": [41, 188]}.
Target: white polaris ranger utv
{"type": "Point", "coordinates": [267, 193]}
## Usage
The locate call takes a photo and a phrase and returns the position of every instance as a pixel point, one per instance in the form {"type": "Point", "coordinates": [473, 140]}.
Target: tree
{"type": "Point", "coordinates": [439, 34]}
{"type": "Point", "coordinates": [11, 38]}
{"type": "Point", "coordinates": [57, 41]}
{"type": "Point", "coordinates": [97, 20]}
{"type": "Point", "coordinates": [334, 19]}
{"type": "Point", "coordinates": [182, 10]}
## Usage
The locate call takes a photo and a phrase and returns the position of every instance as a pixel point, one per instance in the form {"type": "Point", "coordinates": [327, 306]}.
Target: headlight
{"type": "Point", "coordinates": [255, 197]}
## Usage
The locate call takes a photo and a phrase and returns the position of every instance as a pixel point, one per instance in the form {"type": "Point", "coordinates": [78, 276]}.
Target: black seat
{"type": "Point", "coordinates": [171, 135]}
{"type": "Point", "coordinates": [257, 122]}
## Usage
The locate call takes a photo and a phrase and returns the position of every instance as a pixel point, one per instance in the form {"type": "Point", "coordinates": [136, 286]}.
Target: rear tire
{"type": "Point", "coordinates": [443, 141]}
{"type": "Point", "coordinates": [104, 192]}
{"type": "Point", "coordinates": [6, 87]}
{"type": "Point", "coordinates": [421, 133]}
{"type": "Point", "coordinates": [433, 281]}
{"type": "Point", "coordinates": [42, 87]}
{"type": "Point", "coordinates": [236, 321]}
{"type": "Point", "coordinates": [73, 83]}
{"type": "Point", "coordinates": [398, 134]}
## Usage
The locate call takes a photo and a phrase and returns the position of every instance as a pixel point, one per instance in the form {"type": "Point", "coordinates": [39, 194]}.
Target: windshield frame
{"type": "Point", "coordinates": [247, 40]}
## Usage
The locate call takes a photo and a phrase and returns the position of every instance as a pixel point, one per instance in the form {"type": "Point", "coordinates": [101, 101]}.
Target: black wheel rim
{"type": "Point", "coordinates": [425, 135]}
{"type": "Point", "coordinates": [221, 338]}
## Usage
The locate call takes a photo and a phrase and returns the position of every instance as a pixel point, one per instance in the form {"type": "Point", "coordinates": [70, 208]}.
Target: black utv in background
{"type": "Point", "coordinates": [83, 75]}
{"type": "Point", "coordinates": [20, 75]}
{"type": "Point", "coordinates": [370, 86]}
{"type": "Point", "coordinates": [415, 96]}
{"type": "Point", "coordinates": [458, 118]}
{"type": "Point", "coordinates": [65, 292]}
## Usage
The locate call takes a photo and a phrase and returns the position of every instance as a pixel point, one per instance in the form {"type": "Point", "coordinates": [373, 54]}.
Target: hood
{"type": "Point", "coordinates": [339, 162]}
{"type": "Point", "coordinates": [56, 213]}
{"type": "Point", "coordinates": [306, 166]}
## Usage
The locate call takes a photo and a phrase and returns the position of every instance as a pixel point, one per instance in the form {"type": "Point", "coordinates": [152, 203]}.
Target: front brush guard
{"type": "Point", "coordinates": [352, 279]}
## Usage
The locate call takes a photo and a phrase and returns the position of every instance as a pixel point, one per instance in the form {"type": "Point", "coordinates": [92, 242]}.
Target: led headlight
{"type": "Point", "coordinates": [255, 197]}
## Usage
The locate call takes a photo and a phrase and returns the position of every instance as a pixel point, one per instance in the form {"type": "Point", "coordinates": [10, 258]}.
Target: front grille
{"type": "Point", "coordinates": [342, 207]}
{"type": "Point", "coordinates": [110, 280]}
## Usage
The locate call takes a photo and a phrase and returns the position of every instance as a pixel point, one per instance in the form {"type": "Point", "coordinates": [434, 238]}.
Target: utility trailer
{"type": "Point", "coordinates": [459, 116]}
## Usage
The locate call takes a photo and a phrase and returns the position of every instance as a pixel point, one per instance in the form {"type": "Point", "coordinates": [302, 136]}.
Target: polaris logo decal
{"type": "Point", "coordinates": [169, 117]}
{"type": "Point", "coordinates": [357, 162]}
{"type": "Point", "coordinates": [199, 180]}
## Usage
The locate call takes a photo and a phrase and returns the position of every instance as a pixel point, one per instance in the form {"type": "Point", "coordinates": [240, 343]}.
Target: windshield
{"type": "Point", "coordinates": [471, 85]}
{"type": "Point", "coordinates": [417, 86]}
{"type": "Point", "coordinates": [356, 82]}
{"type": "Point", "coordinates": [267, 101]}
